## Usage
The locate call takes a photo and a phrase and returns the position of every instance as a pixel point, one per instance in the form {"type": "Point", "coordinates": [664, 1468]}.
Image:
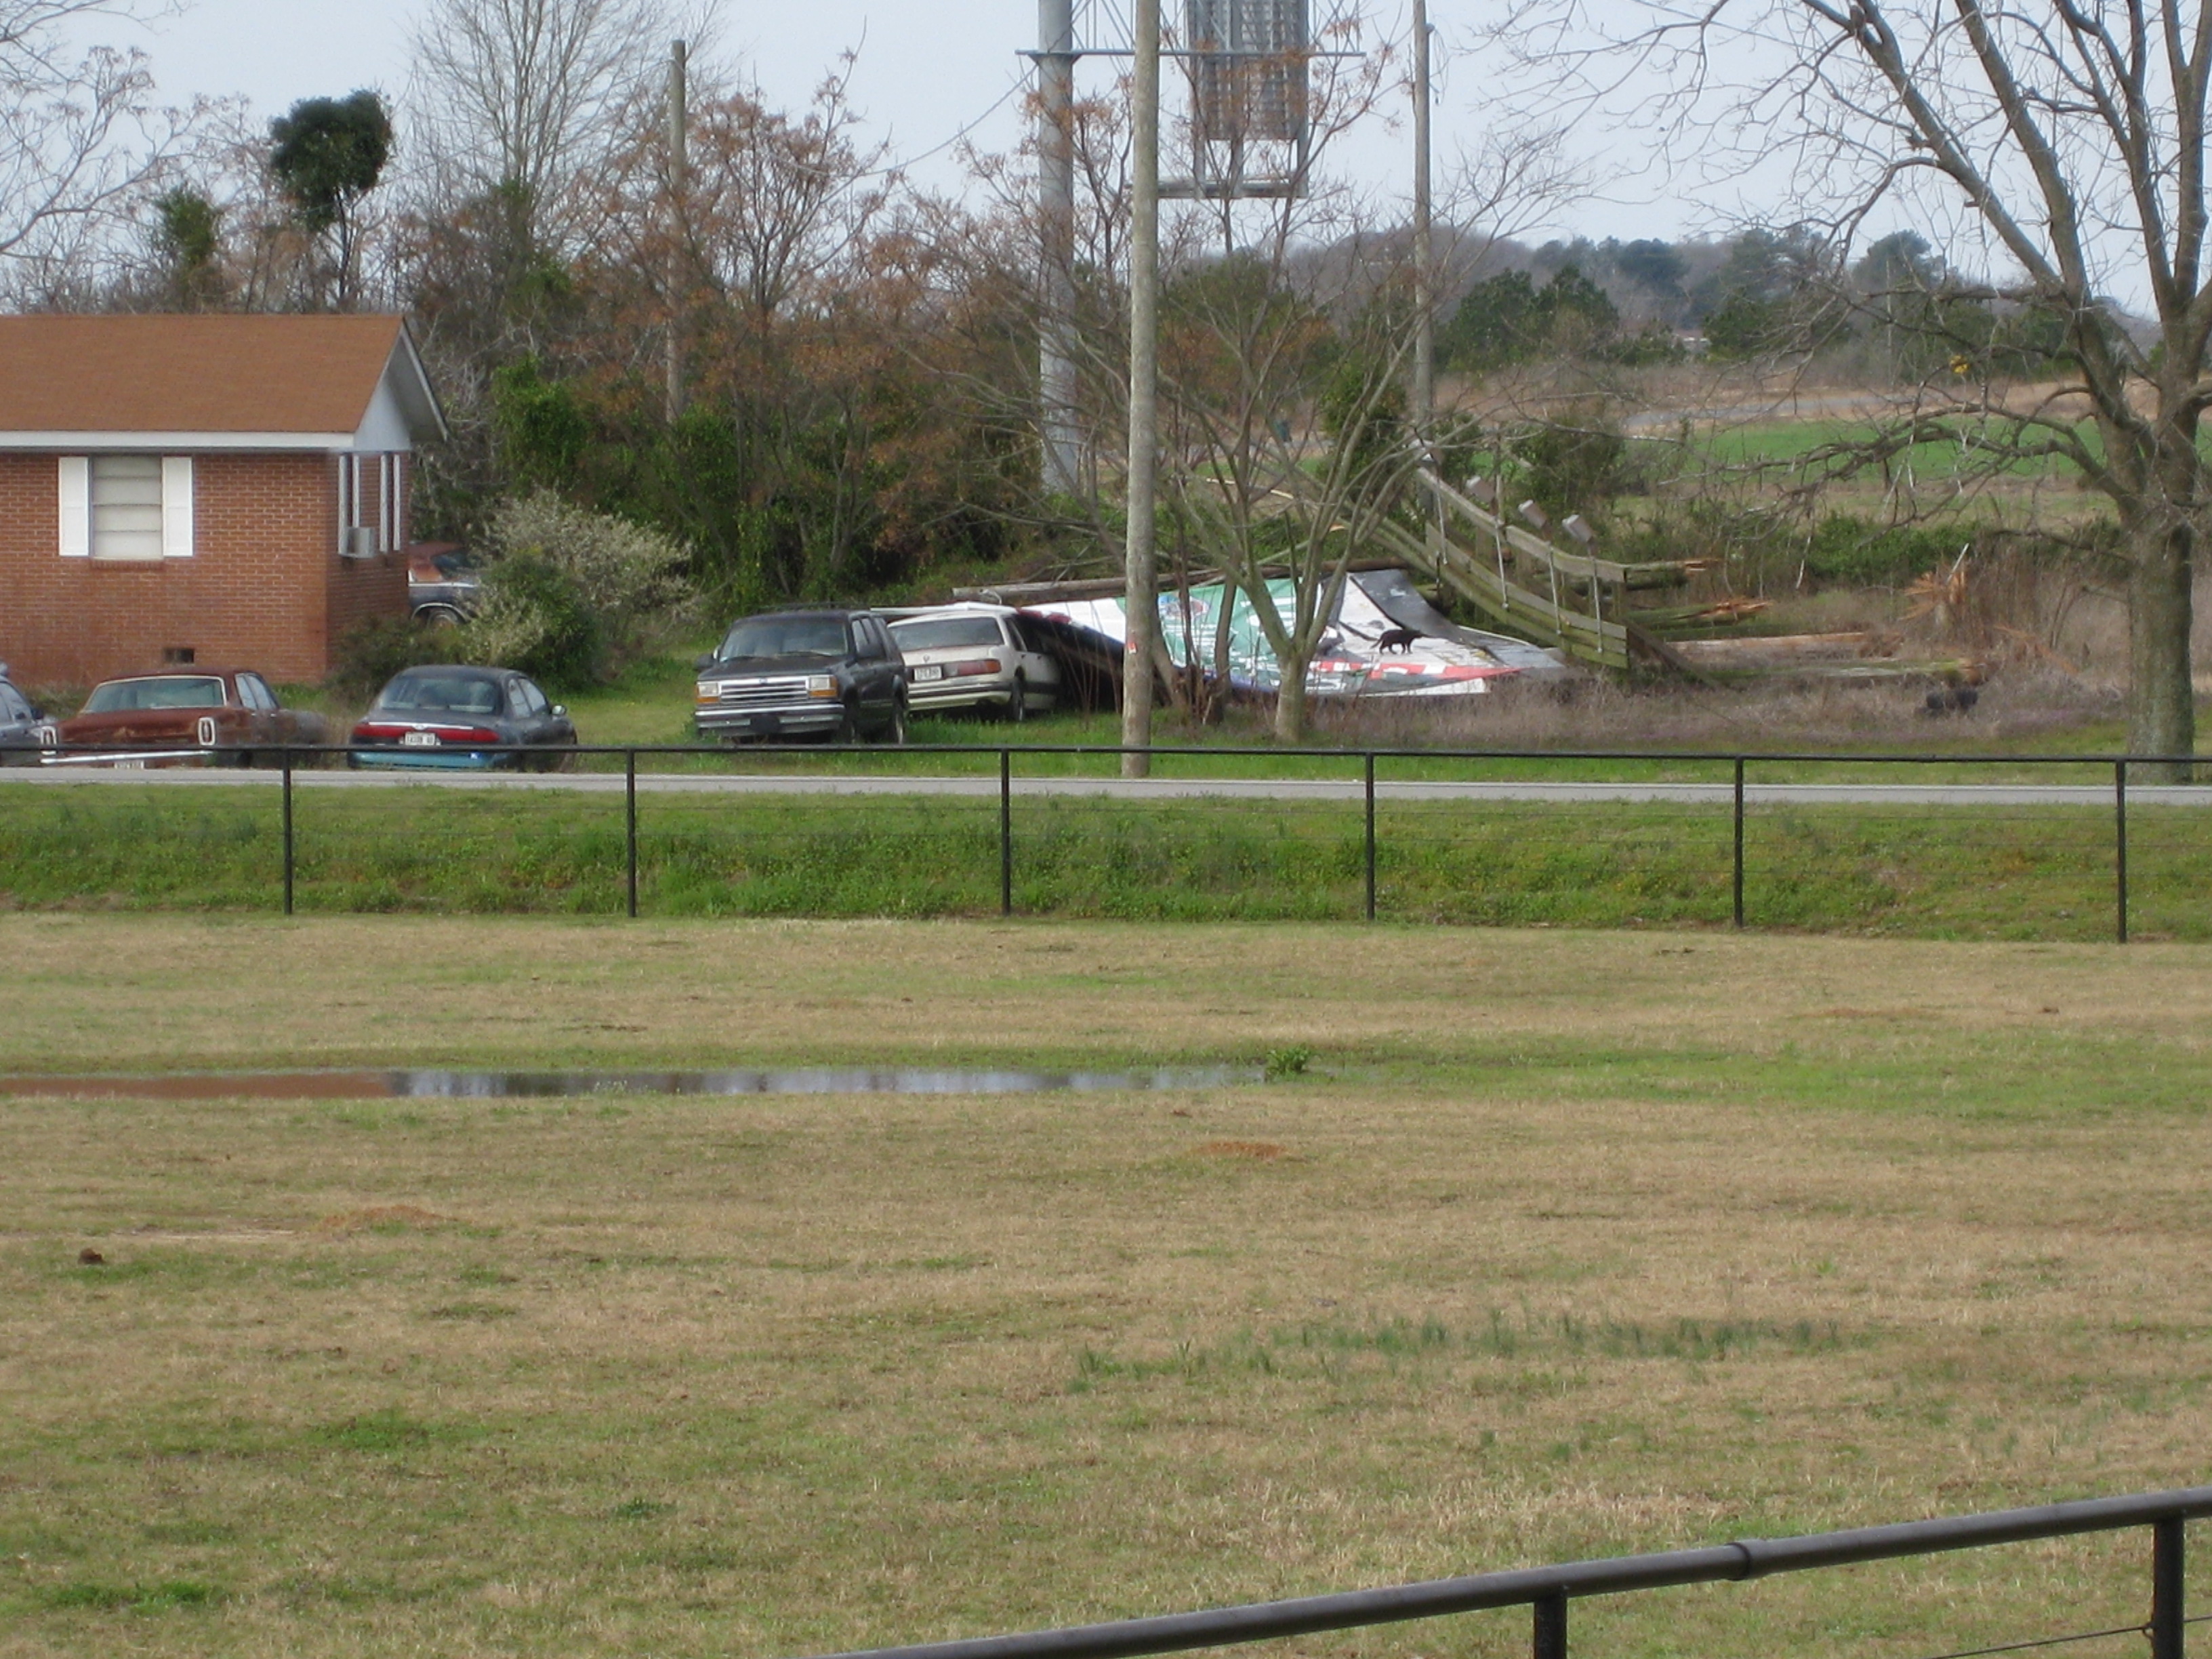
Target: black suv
{"type": "Point", "coordinates": [809, 676]}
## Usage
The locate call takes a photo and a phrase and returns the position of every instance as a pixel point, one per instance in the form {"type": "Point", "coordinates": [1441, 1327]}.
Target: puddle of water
{"type": "Point", "coordinates": [421, 1083]}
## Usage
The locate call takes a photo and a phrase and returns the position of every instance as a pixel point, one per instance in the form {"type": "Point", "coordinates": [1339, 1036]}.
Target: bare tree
{"type": "Point", "coordinates": [1289, 442]}
{"type": "Point", "coordinates": [2067, 142]}
{"type": "Point", "coordinates": [776, 203]}
{"type": "Point", "coordinates": [531, 100]}
{"type": "Point", "coordinates": [1285, 362]}
{"type": "Point", "coordinates": [81, 141]}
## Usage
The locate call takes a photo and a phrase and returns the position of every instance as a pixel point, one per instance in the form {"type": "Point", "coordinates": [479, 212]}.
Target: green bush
{"type": "Point", "coordinates": [1856, 552]}
{"type": "Point", "coordinates": [535, 617]}
{"type": "Point", "coordinates": [371, 652]}
{"type": "Point", "coordinates": [1575, 463]}
{"type": "Point", "coordinates": [572, 595]}
{"type": "Point", "coordinates": [623, 570]}
{"type": "Point", "coordinates": [569, 596]}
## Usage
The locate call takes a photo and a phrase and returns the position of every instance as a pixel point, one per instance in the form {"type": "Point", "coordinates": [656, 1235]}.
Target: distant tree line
{"type": "Point", "coordinates": [1897, 312]}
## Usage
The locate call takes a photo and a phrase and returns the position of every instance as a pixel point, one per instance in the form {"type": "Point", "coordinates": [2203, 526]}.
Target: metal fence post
{"type": "Point", "coordinates": [629, 822]}
{"type": "Point", "coordinates": [1738, 841]}
{"type": "Point", "coordinates": [288, 832]}
{"type": "Point", "coordinates": [2120, 846]}
{"type": "Point", "coordinates": [2168, 1607]}
{"type": "Point", "coordinates": [1551, 1626]}
{"type": "Point", "coordinates": [1371, 835]}
{"type": "Point", "coordinates": [1005, 832]}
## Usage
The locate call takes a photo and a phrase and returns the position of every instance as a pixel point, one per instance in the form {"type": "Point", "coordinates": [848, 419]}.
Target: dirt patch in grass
{"type": "Point", "coordinates": [1259, 1152]}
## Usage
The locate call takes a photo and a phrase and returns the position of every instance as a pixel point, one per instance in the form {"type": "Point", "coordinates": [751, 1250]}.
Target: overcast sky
{"type": "Point", "coordinates": [927, 69]}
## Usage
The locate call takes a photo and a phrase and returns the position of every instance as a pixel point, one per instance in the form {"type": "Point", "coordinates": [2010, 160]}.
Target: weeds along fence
{"type": "Point", "coordinates": [1547, 1591]}
{"type": "Point", "coordinates": [2046, 847]}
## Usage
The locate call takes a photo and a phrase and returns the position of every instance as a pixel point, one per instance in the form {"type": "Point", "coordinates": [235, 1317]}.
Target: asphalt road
{"type": "Point", "coordinates": [1286, 789]}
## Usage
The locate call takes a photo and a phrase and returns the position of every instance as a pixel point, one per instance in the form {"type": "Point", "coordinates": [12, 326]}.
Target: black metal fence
{"type": "Point", "coordinates": [1749, 782]}
{"type": "Point", "coordinates": [1546, 1591]}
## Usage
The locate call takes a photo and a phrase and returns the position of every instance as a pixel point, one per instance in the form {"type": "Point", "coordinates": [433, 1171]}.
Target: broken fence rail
{"type": "Point", "coordinates": [1546, 1590]}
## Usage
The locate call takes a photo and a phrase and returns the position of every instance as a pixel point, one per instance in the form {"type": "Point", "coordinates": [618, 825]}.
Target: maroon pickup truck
{"type": "Point", "coordinates": [149, 719]}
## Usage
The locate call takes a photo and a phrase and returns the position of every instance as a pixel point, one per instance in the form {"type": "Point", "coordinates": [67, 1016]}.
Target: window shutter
{"type": "Point", "coordinates": [176, 507]}
{"type": "Point", "coordinates": [76, 507]}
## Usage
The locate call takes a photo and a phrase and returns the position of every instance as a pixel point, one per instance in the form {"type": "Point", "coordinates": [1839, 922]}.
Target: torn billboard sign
{"type": "Point", "coordinates": [1385, 639]}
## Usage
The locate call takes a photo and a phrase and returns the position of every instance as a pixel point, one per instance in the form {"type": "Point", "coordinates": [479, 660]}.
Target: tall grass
{"type": "Point", "coordinates": [1938, 872]}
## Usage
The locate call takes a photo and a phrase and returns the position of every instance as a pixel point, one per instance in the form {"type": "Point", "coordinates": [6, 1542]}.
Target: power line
{"type": "Point", "coordinates": [999, 103]}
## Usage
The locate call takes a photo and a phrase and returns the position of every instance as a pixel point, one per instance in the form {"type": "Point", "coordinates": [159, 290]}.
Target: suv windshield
{"type": "Point", "coordinates": [785, 636]}
{"type": "Point", "coordinates": [939, 633]}
{"type": "Point", "coordinates": [180, 692]}
{"type": "Point", "coordinates": [459, 694]}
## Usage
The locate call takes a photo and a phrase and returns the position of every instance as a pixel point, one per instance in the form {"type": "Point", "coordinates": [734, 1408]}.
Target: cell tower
{"type": "Point", "coordinates": [1249, 63]}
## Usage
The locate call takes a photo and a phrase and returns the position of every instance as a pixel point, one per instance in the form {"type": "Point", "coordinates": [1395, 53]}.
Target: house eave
{"type": "Point", "coordinates": [83, 443]}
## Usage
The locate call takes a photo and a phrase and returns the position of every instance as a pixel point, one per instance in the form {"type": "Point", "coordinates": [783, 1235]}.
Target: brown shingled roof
{"type": "Point", "coordinates": [190, 373]}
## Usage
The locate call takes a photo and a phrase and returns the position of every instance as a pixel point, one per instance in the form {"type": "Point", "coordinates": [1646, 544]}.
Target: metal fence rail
{"type": "Point", "coordinates": [1370, 762]}
{"type": "Point", "coordinates": [1547, 1591]}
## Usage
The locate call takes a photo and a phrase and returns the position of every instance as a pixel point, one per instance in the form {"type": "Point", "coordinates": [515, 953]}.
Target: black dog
{"type": "Point", "coordinates": [1399, 639]}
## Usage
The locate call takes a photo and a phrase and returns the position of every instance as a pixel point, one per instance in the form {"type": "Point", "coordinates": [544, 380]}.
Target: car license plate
{"type": "Point", "coordinates": [930, 671]}
{"type": "Point", "coordinates": [130, 766]}
{"type": "Point", "coordinates": [420, 740]}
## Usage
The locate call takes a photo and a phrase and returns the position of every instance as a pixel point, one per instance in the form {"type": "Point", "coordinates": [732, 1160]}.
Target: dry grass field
{"type": "Point", "coordinates": [1563, 1244]}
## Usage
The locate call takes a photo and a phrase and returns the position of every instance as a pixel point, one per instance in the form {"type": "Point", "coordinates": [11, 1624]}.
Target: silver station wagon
{"type": "Point", "coordinates": [975, 656]}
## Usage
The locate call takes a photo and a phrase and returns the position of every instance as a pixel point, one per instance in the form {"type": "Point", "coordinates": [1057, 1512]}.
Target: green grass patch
{"type": "Point", "coordinates": [160, 1597]}
{"type": "Point", "coordinates": [1941, 872]}
{"type": "Point", "coordinates": [1788, 441]}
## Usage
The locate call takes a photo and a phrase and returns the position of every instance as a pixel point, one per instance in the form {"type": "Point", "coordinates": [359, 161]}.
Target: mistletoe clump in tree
{"type": "Point", "coordinates": [327, 155]}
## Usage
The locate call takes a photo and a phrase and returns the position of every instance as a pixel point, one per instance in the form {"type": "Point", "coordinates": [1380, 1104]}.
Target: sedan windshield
{"type": "Point", "coordinates": [178, 691]}
{"type": "Point", "coordinates": [943, 632]}
{"type": "Point", "coordinates": [785, 636]}
{"type": "Point", "coordinates": [440, 694]}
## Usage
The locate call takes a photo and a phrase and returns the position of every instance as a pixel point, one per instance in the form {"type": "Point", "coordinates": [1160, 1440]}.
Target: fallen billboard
{"type": "Point", "coordinates": [1385, 639]}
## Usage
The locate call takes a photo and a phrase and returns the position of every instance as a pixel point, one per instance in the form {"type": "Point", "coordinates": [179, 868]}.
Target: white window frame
{"type": "Point", "coordinates": [73, 481]}
{"type": "Point", "coordinates": [388, 537]}
{"type": "Point", "coordinates": [349, 496]}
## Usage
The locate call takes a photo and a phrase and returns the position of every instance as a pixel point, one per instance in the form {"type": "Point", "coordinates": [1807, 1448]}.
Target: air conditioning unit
{"type": "Point", "coordinates": [358, 542]}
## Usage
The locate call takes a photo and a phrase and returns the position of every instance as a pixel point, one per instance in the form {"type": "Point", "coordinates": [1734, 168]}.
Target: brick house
{"type": "Point", "coordinates": [201, 488]}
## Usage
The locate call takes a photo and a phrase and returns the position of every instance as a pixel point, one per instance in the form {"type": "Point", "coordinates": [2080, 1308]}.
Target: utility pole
{"type": "Point", "coordinates": [1056, 394]}
{"type": "Point", "coordinates": [1424, 298]}
{"type": "Point", "coordinates": [1140, 602]}
{"type": "Point", "coordinates": [678, 183]}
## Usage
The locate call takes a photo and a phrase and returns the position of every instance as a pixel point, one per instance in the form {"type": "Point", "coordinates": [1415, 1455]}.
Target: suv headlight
{"type": "Point", "coordinates": [710, 690]}
{"type": "Point", "coordinates": [821, 685]}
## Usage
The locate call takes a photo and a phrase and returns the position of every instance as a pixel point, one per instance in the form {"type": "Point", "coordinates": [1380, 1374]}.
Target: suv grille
{"type": "Point", "coordinates": [760, 694]}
